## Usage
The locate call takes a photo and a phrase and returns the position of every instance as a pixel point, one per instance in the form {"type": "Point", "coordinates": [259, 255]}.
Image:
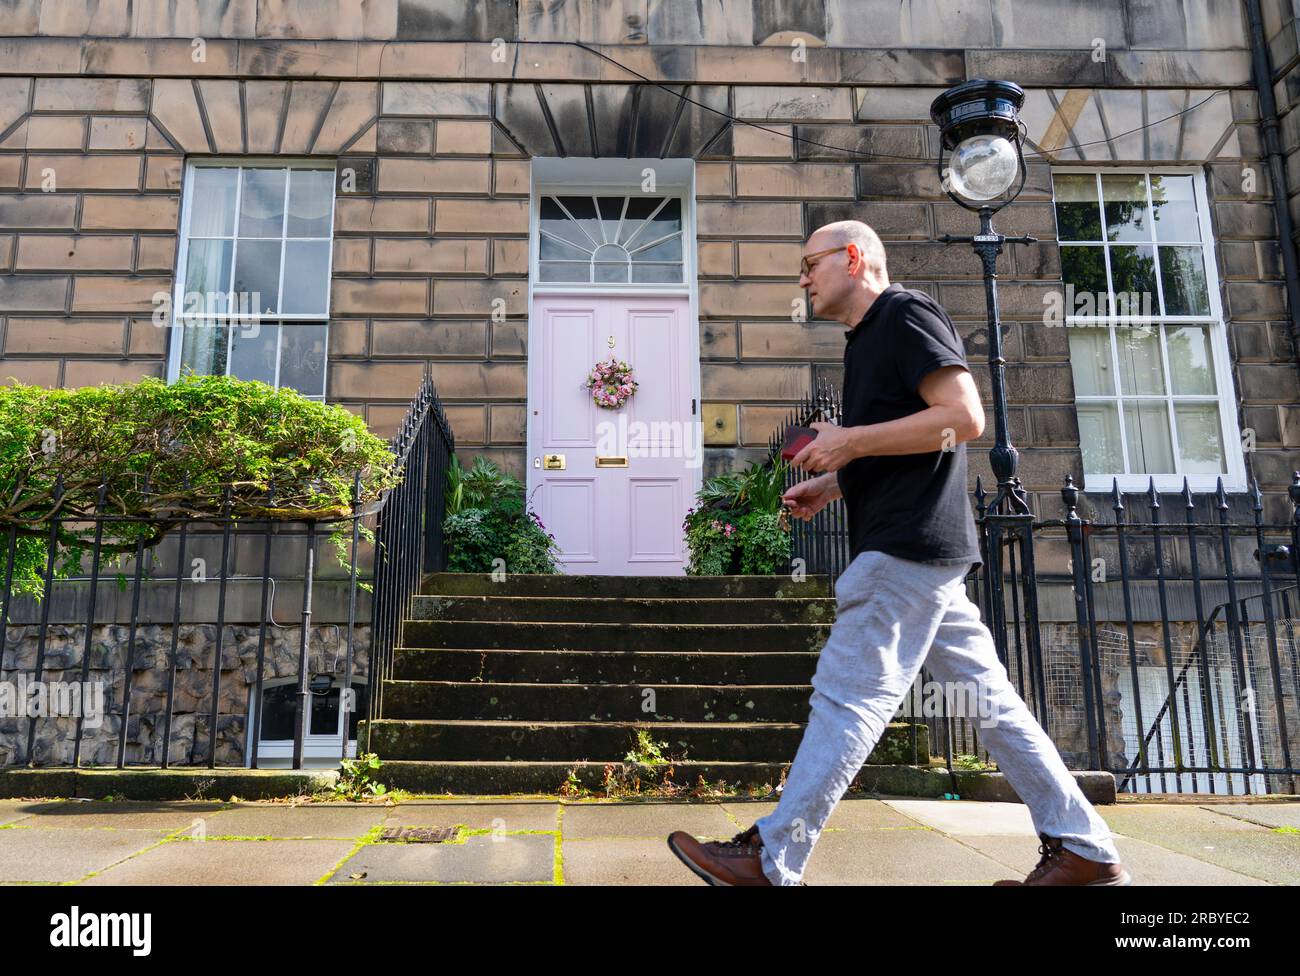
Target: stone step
{"type": "Point", "coordinates": [610, 741]}
{"type": "Point", "coordinates": [595, 702]}
{"type": "Point", "coordinates": [662, 587]}
{"type": "Point", "coordinates": [597, 667]}
{"type": "Point", "coordinates": [539, 635]}
{"type": "Point", "coordinates": [495, 778]}
{"type": "Point", "coordinates": [629, 610]}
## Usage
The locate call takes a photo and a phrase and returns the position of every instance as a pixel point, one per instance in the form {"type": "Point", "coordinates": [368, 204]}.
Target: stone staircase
{"type": "Point", "coordinates": [502, 687]}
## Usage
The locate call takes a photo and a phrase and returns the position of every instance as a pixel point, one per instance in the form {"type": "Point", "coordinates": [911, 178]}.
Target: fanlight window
{"type": "Point", "coordinates": [610, 239]}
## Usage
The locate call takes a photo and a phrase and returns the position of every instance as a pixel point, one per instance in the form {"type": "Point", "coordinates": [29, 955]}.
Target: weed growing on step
{"type": "Point", "coordinates": [964, 760]}
{"type": "Point", "coordinates": [355, 780]}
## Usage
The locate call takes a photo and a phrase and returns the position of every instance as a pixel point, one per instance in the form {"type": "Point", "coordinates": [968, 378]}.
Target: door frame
{"type": "Point", "coordinates": [578, 176]}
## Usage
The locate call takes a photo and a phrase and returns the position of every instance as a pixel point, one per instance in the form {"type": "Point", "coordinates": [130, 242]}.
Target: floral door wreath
{"type": "Point", "coordinates": [611, 384]}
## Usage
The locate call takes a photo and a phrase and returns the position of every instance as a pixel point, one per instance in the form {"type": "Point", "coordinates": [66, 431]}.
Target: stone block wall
{"type": "Point", "coordinates": [54, 737]}
{"type": "Point", "coordinates": [433, 110]}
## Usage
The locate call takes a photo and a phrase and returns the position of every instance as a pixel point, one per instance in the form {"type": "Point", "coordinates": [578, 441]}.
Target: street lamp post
{"type": "Point", "coordinates": [982, 134]}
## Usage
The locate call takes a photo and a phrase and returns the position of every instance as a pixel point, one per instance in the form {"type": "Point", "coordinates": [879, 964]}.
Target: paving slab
{"type": "Point", "coordinates": [897, 857]}
{"type": "Point", "coordinates": [11, 811]}
{"type": "Point", "coordinates": [1272, 815]}
{"type": "Point", "coordinates": [647, 820]}
{"type": "Point", "coordinates": [624, 861]}
{"type": "Point", "coordinates": [855, 813]}
{"type": "Point", "coordinates": [482, 858]}
{"type": "Point", "coordinates": [37, 855]}
{"type": "Point", "coordinates": [486, 815]}
{"type": "Point", "coordinates": [1230, 843]}
{"type": "Point", "coordinates": [116, 814]}
{"type": "Point", "coordinates": [309, 820]}
{"type": "Point", "coordinates": [958, 817]}
{"type": "Point", "coordinates": [1148, 863]}
{"type": "Point", "coordinates": [228, 862]}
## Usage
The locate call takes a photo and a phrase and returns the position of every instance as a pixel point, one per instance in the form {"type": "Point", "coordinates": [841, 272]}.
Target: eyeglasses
{"type": "Point", "coordinates": [806, 267]}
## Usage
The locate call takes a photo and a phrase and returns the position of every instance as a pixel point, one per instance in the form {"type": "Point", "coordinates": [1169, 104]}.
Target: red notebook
{"type": "Point", "coordinates": [796, 439]}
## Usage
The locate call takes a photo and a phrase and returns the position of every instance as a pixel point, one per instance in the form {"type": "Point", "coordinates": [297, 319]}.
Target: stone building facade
{"type": "Point", "coordinates": [442, 128]}
{"type": "Point", "coordinates": [432, 112]}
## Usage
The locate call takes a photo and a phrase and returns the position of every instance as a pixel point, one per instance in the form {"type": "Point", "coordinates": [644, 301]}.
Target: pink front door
{"type": "Point", "coordinates": [610, 517]}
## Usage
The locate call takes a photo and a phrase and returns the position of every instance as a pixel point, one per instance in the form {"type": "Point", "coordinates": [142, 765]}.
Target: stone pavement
{"type": "Point", "coordinates": [525, 840]}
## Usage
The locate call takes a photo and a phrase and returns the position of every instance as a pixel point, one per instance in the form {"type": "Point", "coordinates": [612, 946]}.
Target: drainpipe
{"type": "Point", "coordinates": [1263, 70]}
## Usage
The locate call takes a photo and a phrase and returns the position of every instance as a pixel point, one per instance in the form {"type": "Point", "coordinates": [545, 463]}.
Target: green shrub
{"type": "Point", "coordinates": [739, 525]}
{"type": "Point", "coordinates": [165, 451]}
{"type": "Point", "coordinates": [489, 520]}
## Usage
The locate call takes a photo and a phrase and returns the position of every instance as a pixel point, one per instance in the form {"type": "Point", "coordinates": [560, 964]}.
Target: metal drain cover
{"type": "Point", "coordinates": [419, 835]}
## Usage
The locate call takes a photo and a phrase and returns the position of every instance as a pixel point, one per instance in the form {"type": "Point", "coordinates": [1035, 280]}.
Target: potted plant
{"type": "Point", "coordinates": [739, 525]}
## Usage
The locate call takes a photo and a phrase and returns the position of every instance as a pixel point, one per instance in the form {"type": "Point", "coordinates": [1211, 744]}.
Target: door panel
{"type": "Point", "coordinates": [614, 520]}
{"type": "Point", "coordinates": [654, 504]}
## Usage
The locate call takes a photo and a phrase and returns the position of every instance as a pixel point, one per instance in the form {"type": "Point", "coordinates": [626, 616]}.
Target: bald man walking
{"type": "Point", "coordinates": [899, 463]}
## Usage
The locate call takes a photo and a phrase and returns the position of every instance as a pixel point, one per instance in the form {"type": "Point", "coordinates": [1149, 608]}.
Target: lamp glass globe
{"type": "Point", "coordinates": [983, 167]}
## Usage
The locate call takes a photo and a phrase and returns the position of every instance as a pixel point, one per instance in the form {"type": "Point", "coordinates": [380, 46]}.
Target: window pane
{"type": "Point", "coordinates": [1191, 366]}
{"type": "Point", "coordinates": [554, 220]}
{"type": "Point", "coordinates": [257, 276]}
{"type": "Point", "coordinates": [668, 220]}
{"type": "Point", "coordinates": [302, 358]}
{"type": "Point", "coordinates": [657, 272]}
{"type": "Point", "coordinates": [261, 204]}
{"type": "Point", "coordinates": [1099, 438]}
{"type": "Point", "coordinates": [252, 352]}
{"type": "Point", "coordinates": [212, 201]}
{"type": "Point", "coordinates": [277, 712]}
{"type": "Point", "coordinates": [553, 250]}
{"type": "Point", "coordinates": [1084, 270]}
{"type": "Point", "coordinates": [1125, 201]}
{"type": "Point", "coordinates": [1200, 440]}
{"type": "Point", "coordinates": [1174, 199]}
{"type": "Point", "coordinates": [611, 209]}
{"type": "Point", "coordinates": [203, 348]}
{"type": "Point", "coordinates": [639, 229]}
{"type": "Point", "coordinates": [311, 194]}
{"type": "Point", "coordinates": [1078, 218]}
{"type": "Point", "coordinates": [611, 270]}
{"type": "Point", "coordinates": [306, 277]}
{"type": "Point", "coordinates": [325, 713]}
{"type": "Point", "coordinates": [1090, 362]}
{"type": "Point", "coordinates": [669, 250]}
{"type": "Point", "coordinates": [564, 271]}
{"type": "Point", "coordinates": [1146, 427]}
{"type": "Point", "coordinates": [1133, 278]}
{"type": "Point", "coordinates": [1140, 368]}
{"type": "Point", "coordinates": [1182, 270]}
{"type": "Point", "coordinates": [585, 226]}
{"type": "Point", "coordinates": [207, 276]}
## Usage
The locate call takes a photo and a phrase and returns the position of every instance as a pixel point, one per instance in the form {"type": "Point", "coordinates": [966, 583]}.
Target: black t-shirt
{"type": "Point", "coordinates": [913, 506]}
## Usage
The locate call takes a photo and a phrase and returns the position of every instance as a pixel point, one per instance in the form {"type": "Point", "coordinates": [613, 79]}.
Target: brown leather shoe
{"type": "Point", "coordinates": [731, 863]}
{"type": "Point", "coordinates": [1057, 866]}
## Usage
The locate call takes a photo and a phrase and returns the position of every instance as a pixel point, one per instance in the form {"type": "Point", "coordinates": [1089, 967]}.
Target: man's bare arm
{"type": "Point", "coordinates": [953, 415]}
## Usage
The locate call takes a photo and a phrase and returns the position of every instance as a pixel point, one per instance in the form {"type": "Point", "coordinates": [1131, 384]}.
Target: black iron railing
{"type": "Point", "coordinates": [409, 540]}
{"type": "Point", "coordinates": [1161, 647]}
{"type": "Point", "coordinates": [156, 659]}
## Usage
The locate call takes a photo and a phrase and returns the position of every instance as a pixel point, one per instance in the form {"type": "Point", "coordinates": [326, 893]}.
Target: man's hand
{"type": "Point", "coordinates": [831, 450]}
{"type": "Point", "coordinates": [807, 498]}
